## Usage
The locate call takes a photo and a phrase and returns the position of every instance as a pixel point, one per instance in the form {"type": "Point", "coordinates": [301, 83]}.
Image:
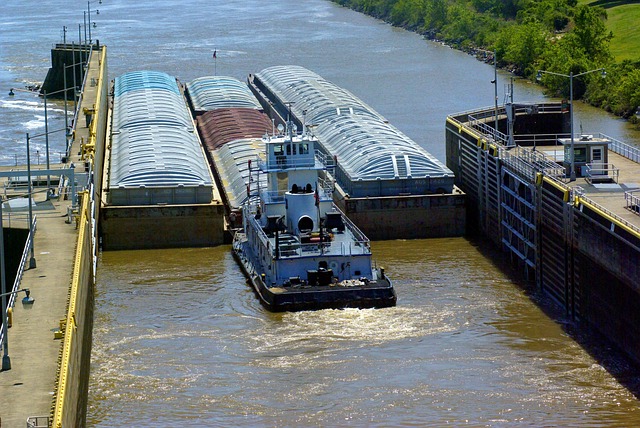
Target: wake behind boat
{"type": "Point", "coordinates": [297, 249]}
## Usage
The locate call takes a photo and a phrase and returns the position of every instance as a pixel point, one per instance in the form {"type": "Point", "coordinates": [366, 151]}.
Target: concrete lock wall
{"type": "Point", "coordinates": [584, 259]}
{"type": "Point", "coordinates": [95, 149]}
{"type": "Point", "coordinates": [73, 57]}
{"type": "Point", "coordinates": [70, 397]}
{"type": "Point", "coordinates": [606, 269]}
{"type": "Point", "coordinates": [69, 404]}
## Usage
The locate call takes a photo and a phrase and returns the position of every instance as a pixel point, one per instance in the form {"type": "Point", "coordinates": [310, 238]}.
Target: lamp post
{"type": "Point", "coordinates": [89, 17]}
{"type": "Point", "coordinates": [46, 119]}
{"type": "Point", "coordinates": [6, 362]}
{"type": "Point", "coordinates": [495, 87]}
{"type": "Point", "coordinates": [32, 260]}
{"type": "Point", "coordinates": [89, 21]}
{"type": "Point", "coordinates": [84, 23]}
{"type": "Point", "coordinates": [572, 174]}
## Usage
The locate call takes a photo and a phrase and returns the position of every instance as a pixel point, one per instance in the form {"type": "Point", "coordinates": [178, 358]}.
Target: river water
{"type": "Point", "coordinates": [180, 340]}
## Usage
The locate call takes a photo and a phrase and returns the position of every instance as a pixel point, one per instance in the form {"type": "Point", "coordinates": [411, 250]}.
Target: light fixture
{"type": "Point", "coordinates": [571, 76]}
{"type": "Point", "coordinates": [27, 300]}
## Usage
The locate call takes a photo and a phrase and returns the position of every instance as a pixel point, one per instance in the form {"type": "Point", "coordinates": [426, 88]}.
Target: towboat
{"type": "Point", "coordinates": [296, 248]}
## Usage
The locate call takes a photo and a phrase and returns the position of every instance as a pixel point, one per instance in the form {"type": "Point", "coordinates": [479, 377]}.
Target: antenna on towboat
{"type": "Point", "coordinates": [290, 124]}
{"type": "Point", "coordinates": [304, 122]}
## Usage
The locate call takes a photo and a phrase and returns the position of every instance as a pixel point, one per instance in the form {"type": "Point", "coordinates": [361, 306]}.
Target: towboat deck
{"type": "Point", "coordinates": [346, 240]}
{"type": "Point", "coordinates": [333, 244]}
{"type": "Point", "coordinates": [300, 295]}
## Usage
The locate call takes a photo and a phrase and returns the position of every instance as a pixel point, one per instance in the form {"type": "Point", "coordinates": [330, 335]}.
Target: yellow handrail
{"type": "Point", "coordinates": [71, 326]}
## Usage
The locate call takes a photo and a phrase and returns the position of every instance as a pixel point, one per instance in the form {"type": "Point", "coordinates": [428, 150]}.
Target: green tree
{"type": "Point", "coordinates": [408, 13]}
{"type": "Point", "coordinates": [590, 34]}
{"type": "Point", "coordinates": [435, 15]}
{"type": "Point", "coordinates": [562, 57]}
{"type": "Point", "coordinates": [521, 45]}
{"type": "Point", "coordinates": [554, 14]}
{"type": "Point", "coordinates": [626, 99]}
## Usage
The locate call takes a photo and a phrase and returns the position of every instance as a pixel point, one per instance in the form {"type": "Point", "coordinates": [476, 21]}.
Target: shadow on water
{"type": "Point", "coordinates": [606, 353]}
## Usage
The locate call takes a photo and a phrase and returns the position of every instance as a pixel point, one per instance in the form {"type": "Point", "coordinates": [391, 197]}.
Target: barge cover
{"type": "Point", "coordinates": [374, 158]}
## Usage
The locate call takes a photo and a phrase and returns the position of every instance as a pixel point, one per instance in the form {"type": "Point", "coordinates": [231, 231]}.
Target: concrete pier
{"type": "Point", "coordinates": [35, 340]}
{"type": "Point", "coordinates": [27, 388]}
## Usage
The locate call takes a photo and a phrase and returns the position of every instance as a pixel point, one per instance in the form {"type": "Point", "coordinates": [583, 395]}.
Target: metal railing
{"type": "Point", "coordinates": [361, 243]}
{"type": "Point", "coordinates": [602, 172]}
{"type": "Point", "coordinates": [329, 247]}
{"type": "Point", "coordinates": [623, 149]}
{"type": "Point", "coordinates": [38, 422]}
{"type": "Point", "coordinates": [610, 214]}
{"type": "Point", "coordinates": [536, 140]}
{"type": "Point", "coordinates": [23, 262]}
{"type": "Point", "coordinates": [22, 159]}
{"type": "Point", "coordinates": [528, 162]}
{"type": "Point", "coordinates": [15, 220]}
{"type": "Point", "coordinates": [632, 200]}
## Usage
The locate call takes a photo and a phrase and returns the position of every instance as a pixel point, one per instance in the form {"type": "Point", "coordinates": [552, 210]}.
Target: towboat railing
{"type": "Point", "coordinates": [357, 233]}
{"type": "Point", "coordinates": [277, 196]}
{"type": "Point", "coordinates": [272, 197]}
{"type": "Point", "coordinates": [326, 186]}
{"type": "Point", "coordinates": [318, 161]}
{"type": "Point", "coordinates": [327, 160]}
{"type": "Point", "coordinates": [334, 248]}
{"type": "Point", "coordinates": [360, 246]}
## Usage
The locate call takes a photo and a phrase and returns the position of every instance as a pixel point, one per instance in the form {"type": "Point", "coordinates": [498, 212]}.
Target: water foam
{"type": "Point", "coordinates": [36, 123]}
{"type": "Point", "coordinates": [22, 105]}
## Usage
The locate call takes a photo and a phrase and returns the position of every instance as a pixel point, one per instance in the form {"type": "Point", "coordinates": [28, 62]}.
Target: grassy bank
{"type": "Point", "coordinates": [623, 19]}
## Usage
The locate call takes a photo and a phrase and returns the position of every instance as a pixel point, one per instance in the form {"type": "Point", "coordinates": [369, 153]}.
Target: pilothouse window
{"type": "Point", "coordinates": [289, 149]}
{"type": "Point", "coordinates": [304, 149]}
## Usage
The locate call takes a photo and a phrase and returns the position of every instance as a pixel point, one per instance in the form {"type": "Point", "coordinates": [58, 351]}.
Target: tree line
{"type": "Point", "coordinates": [559, 36]}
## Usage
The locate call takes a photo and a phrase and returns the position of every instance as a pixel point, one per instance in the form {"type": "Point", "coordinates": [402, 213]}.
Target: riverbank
{"type": "Point", "coordinates": [571, 41]}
